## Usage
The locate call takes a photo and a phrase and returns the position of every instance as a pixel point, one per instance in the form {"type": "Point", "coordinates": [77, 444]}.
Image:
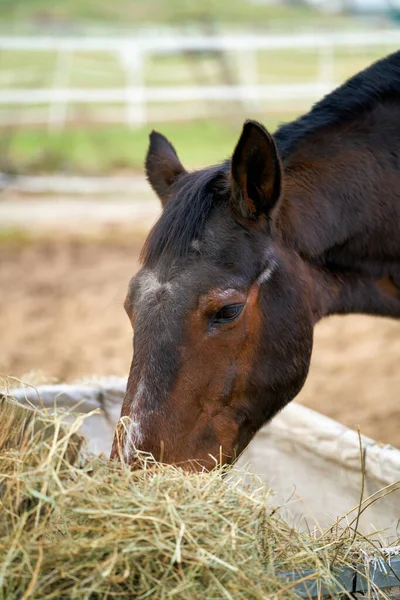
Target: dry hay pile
{"type": "Point", "coordinates": [75, 526]}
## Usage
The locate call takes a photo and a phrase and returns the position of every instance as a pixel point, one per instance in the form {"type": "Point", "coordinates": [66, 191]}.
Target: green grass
{"type": "Point", "coordinates": [104, 70]}
{"type": "Point", "coordinates": [115, 148]}
{"type": "Point", "coordinates": [136, 13]}
{"type": "Point", "coordinates": [12, 236]}
{"type": "Point", "coordinates": [34, 149]}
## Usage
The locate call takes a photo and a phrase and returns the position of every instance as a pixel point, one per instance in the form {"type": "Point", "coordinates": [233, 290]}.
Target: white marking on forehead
{"type": "Point", "coordinates": [195, 245]}
{"type": "Point", "coordinates": [266, 274]}
{"type": "Point", "coordinates": [149, 284]}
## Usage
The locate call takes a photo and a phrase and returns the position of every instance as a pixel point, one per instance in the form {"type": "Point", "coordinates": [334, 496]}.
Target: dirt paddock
{"type": "Point", "coordinates": [61, 317]}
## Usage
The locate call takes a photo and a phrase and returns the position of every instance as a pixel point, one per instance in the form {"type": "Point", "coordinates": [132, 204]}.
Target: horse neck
{"type": "Point", "coordinates": [347, 292]}
{"type": "Point", "coordinates": [342, 185]}
{"type": "Point", "coordinates": [340, 212]}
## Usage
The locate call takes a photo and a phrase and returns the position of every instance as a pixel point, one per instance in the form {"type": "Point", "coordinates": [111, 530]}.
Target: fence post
{"type": "Point", "coordinates": [248, 78]}
{"type": "Point", "coordinates": [326, 65]}
{"type": "Point", "coordinates": [58, 110]}
{"type": "Point", "coordinates": [132, 59]}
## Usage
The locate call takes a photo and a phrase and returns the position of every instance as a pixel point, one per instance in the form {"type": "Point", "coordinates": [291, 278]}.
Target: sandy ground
{"type": "Point", "coordinates": [61, 316]}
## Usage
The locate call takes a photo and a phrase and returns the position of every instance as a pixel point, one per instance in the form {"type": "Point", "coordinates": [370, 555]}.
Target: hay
{"type": "Point", "coordinates": [81, 527]}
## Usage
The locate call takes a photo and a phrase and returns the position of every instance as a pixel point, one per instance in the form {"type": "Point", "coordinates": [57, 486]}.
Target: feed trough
{"type": "Point", "coordinates": [312, 463]}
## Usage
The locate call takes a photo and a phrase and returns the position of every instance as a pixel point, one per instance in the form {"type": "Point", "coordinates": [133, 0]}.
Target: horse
{"type": "Point", "coordinates": [246, 257]}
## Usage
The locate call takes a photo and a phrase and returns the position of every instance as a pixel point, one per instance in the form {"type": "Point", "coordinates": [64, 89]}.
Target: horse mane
{"type": "Point", "coordinates": [194, 195]}
{"type": "Point", "coordinates": [360, 93]}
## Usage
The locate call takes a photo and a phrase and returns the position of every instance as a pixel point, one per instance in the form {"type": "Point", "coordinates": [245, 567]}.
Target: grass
{"type": "Point", "coordinates": [104, 70]}
{"type": "Point", "coordinates": [14, 237]}
{"type": "Point", "coordinates": [82, 527]}
{"type": "Point", "coordinates": [144, 12]}
{"type": "Point", "coordinates": [114, 148]}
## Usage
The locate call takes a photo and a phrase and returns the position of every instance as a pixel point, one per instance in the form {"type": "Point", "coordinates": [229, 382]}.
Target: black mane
{"type": "Point", "coordinates": [195, 194]}
{"type": "Point", "coordinates": [360, 93]}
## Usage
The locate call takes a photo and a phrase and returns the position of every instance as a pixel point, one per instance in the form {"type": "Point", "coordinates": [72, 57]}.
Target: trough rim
{"type": "Point", "coordinates": [379, 573]}
{"type": "Point", "coordinates": [297, 424]}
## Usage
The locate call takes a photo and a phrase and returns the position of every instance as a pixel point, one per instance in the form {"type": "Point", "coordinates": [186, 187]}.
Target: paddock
{"type": "Point", "coordinates": [311, 507]}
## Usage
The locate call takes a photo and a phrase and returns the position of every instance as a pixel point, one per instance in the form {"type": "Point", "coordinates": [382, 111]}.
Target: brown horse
{"type": "Point", "coordinates": [247, 256]}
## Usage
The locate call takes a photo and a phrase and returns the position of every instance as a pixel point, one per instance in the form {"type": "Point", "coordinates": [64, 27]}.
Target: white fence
{"type": "Point", "coordinates": [132, 54]}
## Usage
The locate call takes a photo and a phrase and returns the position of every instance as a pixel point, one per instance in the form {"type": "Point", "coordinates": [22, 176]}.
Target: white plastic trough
{"type": "Point", "coordinates": [310, 461]}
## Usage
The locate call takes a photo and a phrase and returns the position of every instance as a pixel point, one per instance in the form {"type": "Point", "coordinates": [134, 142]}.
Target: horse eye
{"type": "Point", "coordinates": [228, 313]}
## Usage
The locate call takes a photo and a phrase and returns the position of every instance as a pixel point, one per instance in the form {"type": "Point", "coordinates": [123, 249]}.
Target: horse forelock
{"type": "Point", "coordinates": [183, 220]}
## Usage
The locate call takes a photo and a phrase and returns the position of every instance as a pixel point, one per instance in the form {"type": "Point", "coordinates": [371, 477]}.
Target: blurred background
{"type": "Point", "coordinates": [82, 83]}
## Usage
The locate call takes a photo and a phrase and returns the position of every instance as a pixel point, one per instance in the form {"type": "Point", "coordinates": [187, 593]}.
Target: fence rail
{"type": "Point", "coordinates": [164, 93]}
{"type": "Point", "coordinates": [164, 44]}
{"type": "Point", "coordinates": [136, 95]}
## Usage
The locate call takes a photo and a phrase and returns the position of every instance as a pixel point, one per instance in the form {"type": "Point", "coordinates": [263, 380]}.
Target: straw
{"type": "Point", "coordinates": [82, 527]}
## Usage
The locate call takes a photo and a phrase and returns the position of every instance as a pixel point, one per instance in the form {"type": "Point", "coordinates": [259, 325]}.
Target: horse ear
{"type": "Point", "coordinates": [256, 173]}
{"type": "Point", "coordinates": [162, 165]}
